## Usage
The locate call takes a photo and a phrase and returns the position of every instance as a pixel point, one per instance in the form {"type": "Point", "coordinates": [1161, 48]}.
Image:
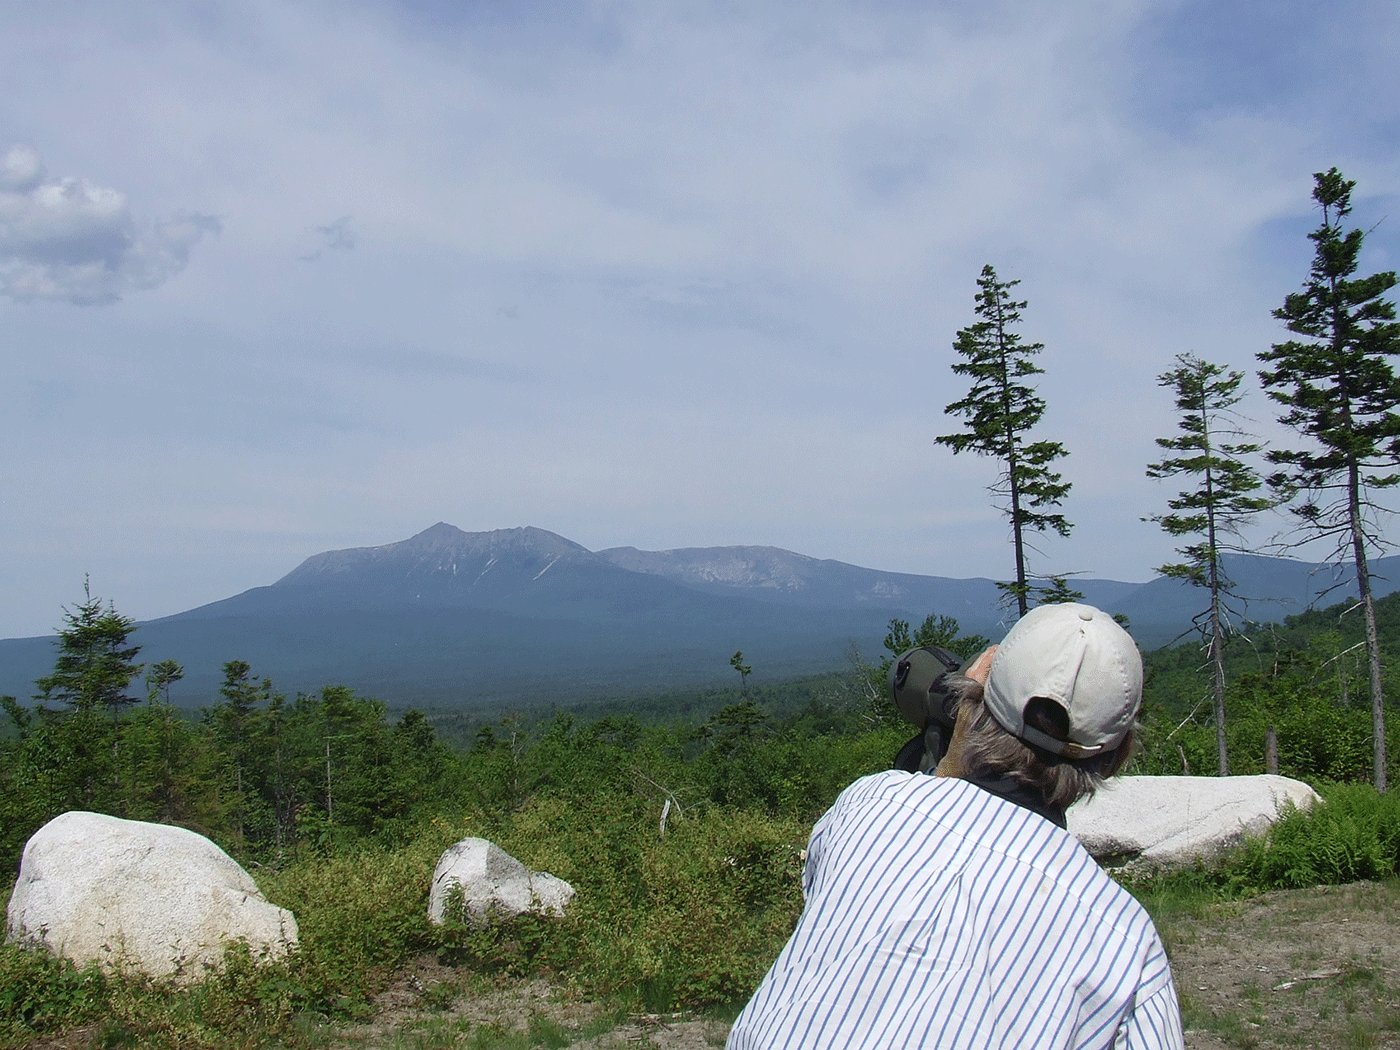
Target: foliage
{"type": "Point", "coordinates": [1354, 834]}
{"type": "Point", "coordinates": [944, 631]}
{"type": "Point", "coordinates": [1000, 410]}
{"type": "Point", "coordinates": [40, 994]}
{"type": "Point", "coordinates": [358, 913]}
{"type": "Point", "coordinates": [685, 920]}
{"type": "Point", "coordinates": [266, 778]}
{"type": "Point", "coordinates": [1304, 678]}
{"type": "Point", "coordinates": [1341, 392]}
{"type": "Point", "coordinates": [94, 665]}
{"type": "Point", "coordinates": [1223, 499]}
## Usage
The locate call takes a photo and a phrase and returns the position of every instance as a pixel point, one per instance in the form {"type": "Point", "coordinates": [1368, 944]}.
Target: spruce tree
{"type": "Point", "coordinates": [1000, 411]}
{"type": "Point", "coordinates": [1226, 494]}
{"type": "Point", "coordinates": [234, 725]}
{"type": "Point", "coordinates": [95, 666]}
{"type": "Point", "coordinates": [737, 662]}
{"type": "Point", "coordinates": [159, 779]}
{"type": "Point", "coordinates": [1336, 382]}
{"type": "Point", "coordinates": [93, 670]}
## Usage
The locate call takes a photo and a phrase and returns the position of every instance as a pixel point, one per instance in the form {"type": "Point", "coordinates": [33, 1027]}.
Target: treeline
{"type": "Point", "coordinates": [262, 774]}
{"type": "Point", "coordinates": [270, 777]}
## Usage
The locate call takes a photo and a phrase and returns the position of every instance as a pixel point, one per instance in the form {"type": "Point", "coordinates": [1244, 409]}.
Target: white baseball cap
{"type": "Point", "coordinates": [1077, 656]}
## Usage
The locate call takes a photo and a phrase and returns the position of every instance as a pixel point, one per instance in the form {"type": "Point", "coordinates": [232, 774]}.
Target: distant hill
{"type": "Point", "coordinates": [1272, 588]}
{"type": "Point", "coordinates": [448, 617]}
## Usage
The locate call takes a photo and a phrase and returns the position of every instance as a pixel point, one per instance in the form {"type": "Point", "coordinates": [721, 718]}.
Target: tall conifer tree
{"type": "Point", "coordinates": [1226, 494]}
{"type": "Point", "coordinates": [93, 670]}
{"type": "Point", "coordinates": [1000, 411]}
{"type": "Point", "coordinates": [1340, 390]}
{"type": "Point", "coordinates": [95, 666]}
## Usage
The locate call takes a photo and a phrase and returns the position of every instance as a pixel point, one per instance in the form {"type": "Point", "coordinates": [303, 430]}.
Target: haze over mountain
{"type": "Point", "coordinates": [450, 617]}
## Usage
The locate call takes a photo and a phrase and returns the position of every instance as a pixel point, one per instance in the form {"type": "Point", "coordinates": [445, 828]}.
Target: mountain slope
{"type": "Point", "coordinates": [779, 576]}
{"type": "Point", "coordinates": [450, 617]}
{"type": "Point", "coordinates": [527, 571]}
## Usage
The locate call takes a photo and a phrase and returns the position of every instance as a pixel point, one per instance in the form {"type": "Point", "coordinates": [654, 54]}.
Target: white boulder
{"type": "Point", "coordinates": [150, 897]}
{"type": "Point", "coordinates": [493, 882]}
{"type": "Point", "coordinates": [1159, 823]}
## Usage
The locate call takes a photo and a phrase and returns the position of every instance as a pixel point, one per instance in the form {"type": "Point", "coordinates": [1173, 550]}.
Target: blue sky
{"type": "Point", "coordinates": [279, 277]}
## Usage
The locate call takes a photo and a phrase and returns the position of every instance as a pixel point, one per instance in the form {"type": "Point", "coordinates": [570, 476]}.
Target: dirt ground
{"type": "Point", "coordinates": [1302, 968]}
{"type": "Point", "coordinates": [428, 1007]}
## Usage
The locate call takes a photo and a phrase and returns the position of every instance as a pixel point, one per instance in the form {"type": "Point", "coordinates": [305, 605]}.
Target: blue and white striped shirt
{"type": "Point", "coordinates": [940, 915]}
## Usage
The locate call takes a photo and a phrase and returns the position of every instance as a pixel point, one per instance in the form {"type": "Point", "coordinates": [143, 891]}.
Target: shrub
{"type": "Point", "coordinates": [358, 914]}
{"type": "Point", "coordinates": [688, 920]}
{"type": "Point", "coordinates": [40, 993]}
{"type": "Point", "coordinates": [1354, 834]}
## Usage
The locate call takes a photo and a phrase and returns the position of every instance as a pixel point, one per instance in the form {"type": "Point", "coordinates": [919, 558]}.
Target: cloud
{"type": "Point", "coordinates": [69, 240]}
{"type": "Point", "coordinates": [339, 238]}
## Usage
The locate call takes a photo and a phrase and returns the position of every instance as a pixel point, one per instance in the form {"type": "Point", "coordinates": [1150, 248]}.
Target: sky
{"type": "Point", "coordinates": [285, 276]}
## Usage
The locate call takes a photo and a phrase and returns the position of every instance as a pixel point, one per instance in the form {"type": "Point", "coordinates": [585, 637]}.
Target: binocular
{"type": "Point", "coordinates": [918, 685]}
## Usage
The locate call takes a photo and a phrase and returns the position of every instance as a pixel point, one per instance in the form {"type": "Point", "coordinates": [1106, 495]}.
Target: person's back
{"type": "Point", "coordinates": [941, 915]}
{"type": "Point", "coordinates": [954, 910]}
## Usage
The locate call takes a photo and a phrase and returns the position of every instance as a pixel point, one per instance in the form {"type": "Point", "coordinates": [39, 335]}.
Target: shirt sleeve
{"type": "Point", "coordinates": [1154, 1024]}
{"type": "Point", "coordinates": [812, 862]}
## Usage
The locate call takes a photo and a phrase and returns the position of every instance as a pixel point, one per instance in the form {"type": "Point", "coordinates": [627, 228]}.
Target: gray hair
{"type": "Point", "coordinates": [989, 750]}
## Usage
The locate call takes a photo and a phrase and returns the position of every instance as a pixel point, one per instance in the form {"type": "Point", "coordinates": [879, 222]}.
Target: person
{"type": "Point", "coordinates": [953, 910]}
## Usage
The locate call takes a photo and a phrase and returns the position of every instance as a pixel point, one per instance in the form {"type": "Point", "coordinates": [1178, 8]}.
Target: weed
{"type": "Point", "coordinates": [41, 993]}
{"type": "Point", "coordinates": [434, 1034]}
{"type": "Point", "coordinates": [545, 1032]}
{"type": "Point", "coordinates": [496, 1037]}
{"type": "Point", "coordinates": [1361, 1035]}
{"type": "Point", "coordinates": [113, 1034]}
{"type": "Point", "coordinates": [439, 995]}
{"type": "Point", "coordinates": [1355, 974]}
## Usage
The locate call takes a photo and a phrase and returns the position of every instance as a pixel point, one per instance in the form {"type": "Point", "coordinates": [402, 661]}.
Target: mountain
{"type": "Point", "coordinates": [1159, 611]}
{"type": "Point", "coordinates": [448, 617]}
{"type": "Point", "coordinates": [774, 575]}
{"type": "Point", "coordinates": [527, 572]}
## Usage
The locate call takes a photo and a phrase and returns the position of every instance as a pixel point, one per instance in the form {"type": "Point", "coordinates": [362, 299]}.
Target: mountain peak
{"type": "Point", "coordinates": [438, 547]}
{"type": "Point", "coordinates": [526, 539]}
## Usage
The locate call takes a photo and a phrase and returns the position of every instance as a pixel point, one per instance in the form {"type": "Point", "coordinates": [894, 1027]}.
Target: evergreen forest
{"type": "Point", "coordinates": [680, 819]}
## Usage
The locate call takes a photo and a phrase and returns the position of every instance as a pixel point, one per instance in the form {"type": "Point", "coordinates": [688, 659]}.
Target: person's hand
{"type": "Point", "coordinates": [982, 666]}
{"type": "Point", "coordinates": [951, 765]}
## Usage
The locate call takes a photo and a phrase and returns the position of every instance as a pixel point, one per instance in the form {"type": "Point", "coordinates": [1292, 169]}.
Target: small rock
{"type": "Point", "coordinates": [492, 881]}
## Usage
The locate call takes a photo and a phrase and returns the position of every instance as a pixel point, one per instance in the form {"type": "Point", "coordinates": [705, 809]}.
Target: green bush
{"type": "Point", "coordinates": [1354, 834]}
{"type": "Point", "coordinates": [40, 993]}
{"type": "Point", "coordinates": [359, 914]}
{"type": "Point", "coordinates": [687, 920]}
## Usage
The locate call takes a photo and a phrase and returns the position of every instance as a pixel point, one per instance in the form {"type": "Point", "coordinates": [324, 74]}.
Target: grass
{"type": "Point", "coordinates": [691, 922]}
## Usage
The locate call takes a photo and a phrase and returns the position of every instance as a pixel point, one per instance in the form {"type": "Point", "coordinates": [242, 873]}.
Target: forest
{"type": "Point", "coordinates": [272, 777]}
{"type": "Point", "coordinates": [680, 819]}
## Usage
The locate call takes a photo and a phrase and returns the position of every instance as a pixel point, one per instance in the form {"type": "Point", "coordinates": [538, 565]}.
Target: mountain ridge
{"type": "Point", "coordinates": [451, 617]}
